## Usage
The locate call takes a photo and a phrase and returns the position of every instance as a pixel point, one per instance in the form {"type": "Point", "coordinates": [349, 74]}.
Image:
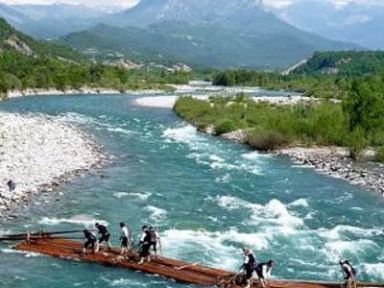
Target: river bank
{"type": "Point", "coordinates": [83, 91]}
{"type": "Point", "coordinates": [331, 160]}
{"type": "Point", "coordinates": [170, 101]}
{"type": "Point", "coordinates": [335, 162]}
{"type": "Point", "coordinates": [37, 154]}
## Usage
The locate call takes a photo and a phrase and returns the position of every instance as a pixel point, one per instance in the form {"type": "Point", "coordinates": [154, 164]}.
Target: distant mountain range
{"type": "Point", "coordinates": [359, 22]}
{"type": "Point", "coordinates": [51, 21]}
{"type": "Point", "coordinates": [220, 34]}
{"type": "Point", "coordinates": [17, 42]}
{"type": "Point", "coordinates": [228, 34]}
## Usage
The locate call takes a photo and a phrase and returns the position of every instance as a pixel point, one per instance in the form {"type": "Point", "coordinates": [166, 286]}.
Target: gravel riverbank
{"type": "Point", "coordinates": [38, 153]}
{"type": "Point", "coordinates": [334, 161]}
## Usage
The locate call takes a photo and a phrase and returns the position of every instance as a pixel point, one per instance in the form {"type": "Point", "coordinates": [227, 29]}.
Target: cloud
{"type": "Point", "coordinates": [280, 4]}
{"type": "Point", "coordinates": [123, 3]}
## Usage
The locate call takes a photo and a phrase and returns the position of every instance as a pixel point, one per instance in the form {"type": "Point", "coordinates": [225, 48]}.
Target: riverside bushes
{"type": "Point", "coordinates": [18, 71]}
{"type": "Point", "coordinates": [268, 126]}
{"type": "Point", "coordinates": [264, 140]}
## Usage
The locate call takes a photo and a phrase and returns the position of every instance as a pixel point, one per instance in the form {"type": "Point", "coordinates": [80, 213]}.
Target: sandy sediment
{"type": "Point", "coordinates": [163, 101]}
{"type": "Point", "coordinates": [37, 153]}
{"type": "Point", "coordinates": [170, 100]}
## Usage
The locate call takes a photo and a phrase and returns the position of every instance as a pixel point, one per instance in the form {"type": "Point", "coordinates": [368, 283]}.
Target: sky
{"type": "Point", "coordinates": [129, 3]}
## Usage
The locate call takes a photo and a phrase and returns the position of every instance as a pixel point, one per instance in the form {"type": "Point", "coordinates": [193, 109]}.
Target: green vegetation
{"type": "Point", "coordinates": [357, 122]}
{"type": "Point", "coordinates": [319, 86]}
{"type": "Point", "coordinates": [28, 63]}
{"type": "Point", "coordinates": [19, 71]}
{"type": "Point", "coordinates": [325, 75]}
{"type": "Point", "coordinates": [268, 44]}
{"type": "Point", "coordinates": [13, 40]}
{"type": "Point", "coordinates": [380, 154]}
{"type": "Point", "coordinates": [268, 126]}
{"type": "Point", "coordinates": [344, 63]}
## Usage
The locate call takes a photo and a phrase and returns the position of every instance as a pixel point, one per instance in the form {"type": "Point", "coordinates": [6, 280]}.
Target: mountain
{"type": "Point", "coordinates": [14, 41]}
{"type": "Point", "coordinates": [232, 33]}
{"type": "Point", "coordinates": [51, 21]}
{"type": "Point", "coordinates": [358, 22]}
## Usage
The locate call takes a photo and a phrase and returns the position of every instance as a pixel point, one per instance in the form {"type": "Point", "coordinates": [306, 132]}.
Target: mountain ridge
{"type": "Point", "coordinates": [229, 35]}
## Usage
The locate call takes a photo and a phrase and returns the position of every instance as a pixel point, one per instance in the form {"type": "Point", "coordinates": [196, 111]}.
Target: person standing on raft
{"type": "Point", "coordinates": [103, 231]}
{"type": "Point", "coordinates": [145, 242]}
{"type": "Point", "coordinates": [349, 274]}
{"type": "Point", "coordinates": [262, 270]}
{"type": "Point", "coordinates": [248, 266]}
{"type": "Point", "coordinates": [90, 241]}
{"type": "Point", "coordinates": [125, 238]}
{"type": "Point", "coordinates": [155, 239]}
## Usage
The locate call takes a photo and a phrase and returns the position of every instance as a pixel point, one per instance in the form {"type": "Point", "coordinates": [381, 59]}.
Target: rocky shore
{"type": "Point", "coordinates": [334, 161]}
{"type": "Point", "coordinates": [38, 153]}
{"type": "Point", "coordinates": [331, 161]}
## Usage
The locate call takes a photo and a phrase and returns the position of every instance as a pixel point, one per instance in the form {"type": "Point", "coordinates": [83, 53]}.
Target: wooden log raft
{"type": "Point", "coordinates": [181, 271]}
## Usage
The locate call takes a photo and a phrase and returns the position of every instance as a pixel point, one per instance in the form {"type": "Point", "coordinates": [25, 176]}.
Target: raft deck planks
{"type": "Point", "coordinates": [166, 267]}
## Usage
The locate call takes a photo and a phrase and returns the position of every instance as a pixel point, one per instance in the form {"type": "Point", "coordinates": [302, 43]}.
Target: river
{"type": "Point", "coordinates": [207, 196]}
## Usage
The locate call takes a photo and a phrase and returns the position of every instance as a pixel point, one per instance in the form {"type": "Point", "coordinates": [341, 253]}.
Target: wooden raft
{"type": "Point", "coordinates": [181, 271]}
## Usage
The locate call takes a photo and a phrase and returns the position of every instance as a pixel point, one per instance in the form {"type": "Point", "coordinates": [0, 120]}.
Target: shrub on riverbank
{"type": "Point", "coordinates": [265, 140]}
{"type": "Point", "coordinates": [270, 126]}
{"type": "Point", "coordinates": [380, 154]}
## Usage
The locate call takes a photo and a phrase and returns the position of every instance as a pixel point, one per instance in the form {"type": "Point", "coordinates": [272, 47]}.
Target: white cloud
{"type": "Point", "coordinates": [124, 3]}
{"type": "Point", "coordinates": [279, 4]}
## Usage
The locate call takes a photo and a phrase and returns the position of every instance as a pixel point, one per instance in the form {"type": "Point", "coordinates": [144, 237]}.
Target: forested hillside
{"type": "Point", "coordinates": [27, 63]}
{"type": "Point", "coordinates": [196, 32]}
{"type": "Point", "coordinates": [325, 75]}
{"type": "Point", "coordinates": [346, 63]}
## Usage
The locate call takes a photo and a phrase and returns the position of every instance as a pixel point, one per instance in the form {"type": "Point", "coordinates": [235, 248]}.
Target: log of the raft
{"type": "Point", "coordinates": [166, 267]}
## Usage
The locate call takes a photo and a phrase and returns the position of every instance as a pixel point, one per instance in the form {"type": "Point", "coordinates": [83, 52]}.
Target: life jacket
{"type": "Point", "coordinates": [153, 236]}
{"type": "Point", "coordinates": [102, 229]}
{"type": "Point", "coordinates": [125, 232]}
{"type": "Point", "coordinates": [349, 270]}
{"type": "Point", "coordinates": [263, 268]}
{"type": "Point", "coordinates": [147, 237]}
{"type": "Point", "coordinates": [251, 262]}
{"type": "Point", "coordinates": [89, 235]}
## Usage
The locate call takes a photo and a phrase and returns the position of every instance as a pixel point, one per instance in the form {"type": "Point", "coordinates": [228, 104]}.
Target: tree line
{"type": "Point", "coordinates": [18, 71]}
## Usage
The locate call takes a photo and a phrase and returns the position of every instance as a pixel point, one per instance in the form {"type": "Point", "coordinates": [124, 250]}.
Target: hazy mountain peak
{"type": "Point", "coordinates": [147, 12]}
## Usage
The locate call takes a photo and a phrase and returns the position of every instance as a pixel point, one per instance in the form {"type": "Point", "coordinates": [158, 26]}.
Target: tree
{"type": "Point", "coordinates": [364, 105]}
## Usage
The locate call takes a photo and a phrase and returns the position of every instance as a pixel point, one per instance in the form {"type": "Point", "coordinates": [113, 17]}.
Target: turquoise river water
{"type": "Point", "coordinates": [207, 196]}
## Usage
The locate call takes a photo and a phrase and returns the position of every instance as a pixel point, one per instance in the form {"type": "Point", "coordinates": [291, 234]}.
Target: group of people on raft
{"type": "Point", "coordinates": [264, 269]}
{"type": "Point", "coordinates": [150, 239]}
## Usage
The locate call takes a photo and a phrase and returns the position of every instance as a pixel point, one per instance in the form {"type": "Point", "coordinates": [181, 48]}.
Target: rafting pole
{"type": "Point", "coordinates": [37, 237]}
{"type": "Point", "coordinates": [42, 233]}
